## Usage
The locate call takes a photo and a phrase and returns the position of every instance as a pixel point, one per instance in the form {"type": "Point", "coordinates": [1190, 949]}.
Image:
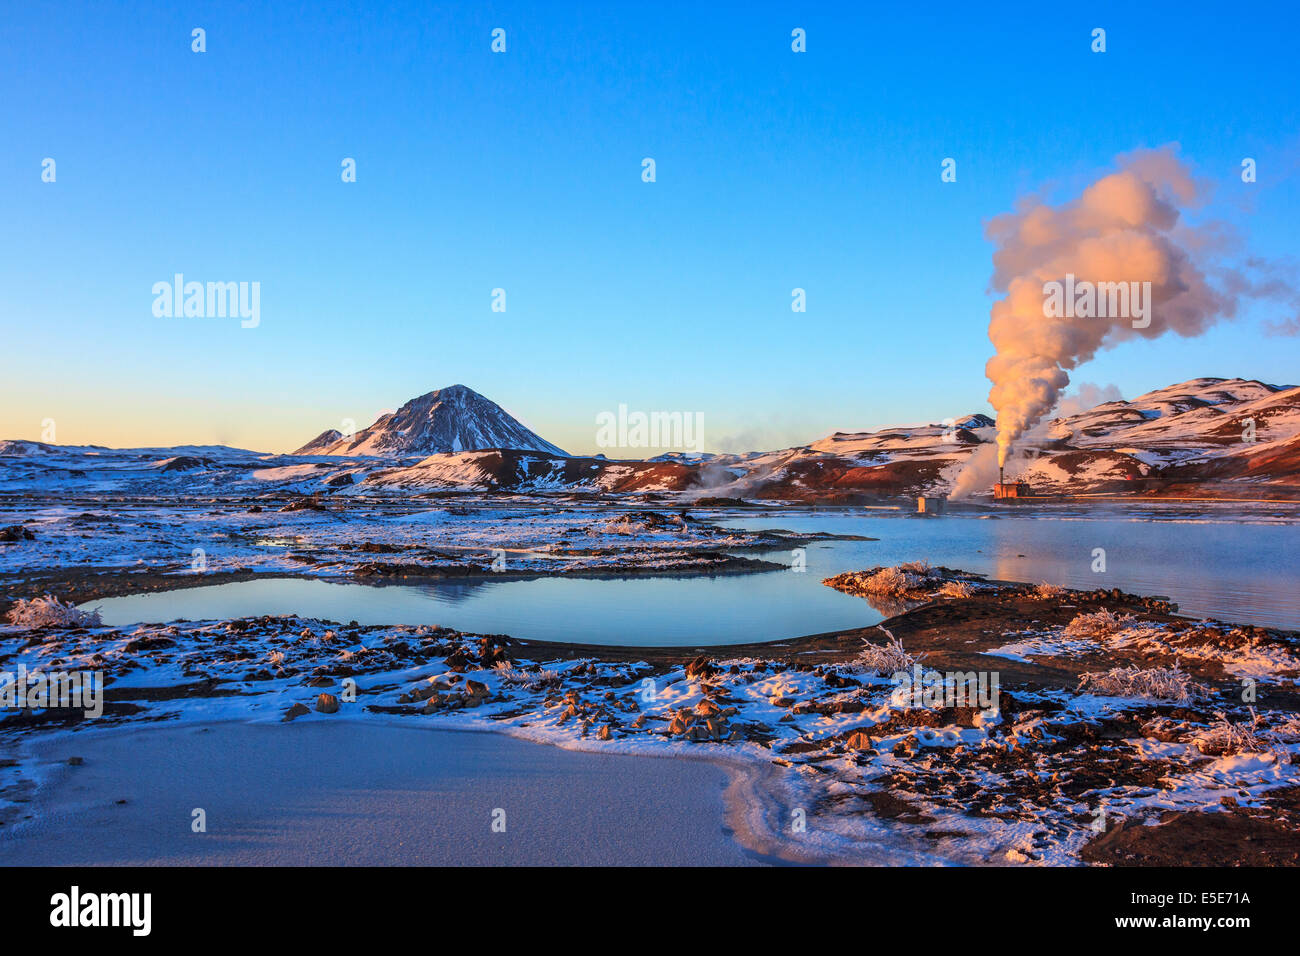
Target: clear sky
{"type": "Point", "coordinates": [523, 171]}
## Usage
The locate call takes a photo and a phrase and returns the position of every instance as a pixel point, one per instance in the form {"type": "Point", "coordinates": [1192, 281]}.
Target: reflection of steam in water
{"type": "Point", "coordinates": [453, 591]}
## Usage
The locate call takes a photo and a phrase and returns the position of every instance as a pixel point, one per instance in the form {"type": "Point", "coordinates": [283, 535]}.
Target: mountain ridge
{"type": "Point", "coordinates": [1206, 437]}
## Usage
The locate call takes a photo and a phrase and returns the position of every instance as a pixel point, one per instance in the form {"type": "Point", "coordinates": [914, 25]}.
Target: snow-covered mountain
{"type": "Point", "coordinates": [1179, 439]}
{"type": "Point", "coordinates": [448, 420]}
{"type": "Point", "coordinates": [1187, 438]}
{"type": "Point", "coordinates": [1190, 438]}
{"type": "Point", "coordinates": [1199, 412]}
{"type": "Point", "coordinates": [1207, 437]}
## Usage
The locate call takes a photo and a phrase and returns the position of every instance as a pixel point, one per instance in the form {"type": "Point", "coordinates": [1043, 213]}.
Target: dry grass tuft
{"type": "Point", "coordinates": [1099, 625]}
{"type": "Point", "coordinates": [956, 589]}
{"type": "Point", "coordinates": [49, 611]}
{"type": "Point", "coordinates": [1225, 737]}
{"type": "Point", "coordinates": [1286, 731]}
{"type": "Point", "coordinates": [885, 659]}
{"type": "Point", "coordinates": [531, 680]}
{"type": "Point", "coordinates": [1150, 683]}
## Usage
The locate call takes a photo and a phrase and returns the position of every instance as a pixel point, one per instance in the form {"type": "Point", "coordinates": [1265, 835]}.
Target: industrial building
{"type": "Point", "coordinates": [1010, 489]}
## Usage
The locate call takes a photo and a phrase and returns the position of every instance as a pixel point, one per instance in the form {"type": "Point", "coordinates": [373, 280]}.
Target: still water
{"type": "Point", "coordinates": [1238, 570]}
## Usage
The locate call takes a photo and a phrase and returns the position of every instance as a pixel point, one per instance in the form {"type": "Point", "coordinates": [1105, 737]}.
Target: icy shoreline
{"type": "Point", "coordinates": [838, 767]}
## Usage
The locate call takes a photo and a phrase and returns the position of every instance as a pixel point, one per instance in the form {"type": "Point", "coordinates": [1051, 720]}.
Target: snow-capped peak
{"type": "Point", "coordinates": [451, 419]}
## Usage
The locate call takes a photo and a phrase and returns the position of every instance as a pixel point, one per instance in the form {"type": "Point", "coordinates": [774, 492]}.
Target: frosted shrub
{"type": "Point", "coordinates": [1224, 737]}
{"type": "Point", "coordinates": [891, 581]}
{"type": "Point", "coordinates": [510, 674]}
{"type": "Point", "coordinates": [956, 589]}
{"type": "Point", "coordinates": [1047, 592]}
{"type": "Point", "coordinates": [49, 611]}
{"type": "Point", "coordinates": [1099, 625]}
{"type": "Point", "coordinates": [1151, 683]}
{"type": "Point", "coordinates": [885, 659]}
{"type": "Point", "coordinates": [517, 677]}
{"type": "Point", "coordinates": [1287, 731]}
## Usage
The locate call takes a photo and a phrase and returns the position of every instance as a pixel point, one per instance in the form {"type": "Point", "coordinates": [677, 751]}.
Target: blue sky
{"type": "Point", "coordinates": [522, 171]}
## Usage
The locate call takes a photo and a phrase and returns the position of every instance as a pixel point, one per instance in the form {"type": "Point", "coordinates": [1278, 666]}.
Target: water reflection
{"type": "Point", "coordinates": [1239, 572]}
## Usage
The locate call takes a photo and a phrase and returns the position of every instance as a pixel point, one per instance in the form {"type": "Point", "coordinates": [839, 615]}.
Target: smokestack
{"type": "Point", "coordinates": [1000, 479]}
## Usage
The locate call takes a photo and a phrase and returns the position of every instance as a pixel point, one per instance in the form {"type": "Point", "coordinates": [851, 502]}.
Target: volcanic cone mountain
{"type": "Point", "coordinates": [451, 419]}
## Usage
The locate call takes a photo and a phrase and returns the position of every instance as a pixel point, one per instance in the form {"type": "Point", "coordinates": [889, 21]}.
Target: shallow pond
{"type": "Point", "coordinates": [1239, 571]}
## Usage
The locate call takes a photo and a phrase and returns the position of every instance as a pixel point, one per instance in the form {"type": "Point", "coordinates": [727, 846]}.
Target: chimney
{"type": "Point", "coordinates": [1000, 478]}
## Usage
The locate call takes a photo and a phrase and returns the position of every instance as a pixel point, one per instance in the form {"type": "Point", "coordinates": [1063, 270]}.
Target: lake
{"type": "Point", "coordinates": [1242, 571]}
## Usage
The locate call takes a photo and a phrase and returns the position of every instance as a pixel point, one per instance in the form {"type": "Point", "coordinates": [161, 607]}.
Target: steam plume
{"type": "Point", "coordinates": [1125, 227]}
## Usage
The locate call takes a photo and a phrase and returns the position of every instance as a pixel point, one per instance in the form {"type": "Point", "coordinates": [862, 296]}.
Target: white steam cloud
{"type": "Point", "coordinates": [981, 468]}
{"type": "Point", "coordinates": [1124, 228]}
{"type": "Point", "coordinates": [1084, 397]}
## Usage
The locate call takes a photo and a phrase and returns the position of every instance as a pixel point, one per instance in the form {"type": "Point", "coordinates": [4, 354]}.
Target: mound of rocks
{"type": "Point", "coordinates": [642, 522]}
{"type": "Point", "coordinates": [304, 504]}
{"type": "Point", "coordinates": [438, 695]}
{"type": "Point", "coordinates": [706, 721]}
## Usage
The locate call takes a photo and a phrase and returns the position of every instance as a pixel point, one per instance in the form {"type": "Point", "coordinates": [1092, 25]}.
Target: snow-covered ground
{"type": "Point", "coordinates": [832, 765]}
{"type": "Point", "coordinates": [1021, 780]}
{"type": "Point", "coordinates": [342, 537]}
